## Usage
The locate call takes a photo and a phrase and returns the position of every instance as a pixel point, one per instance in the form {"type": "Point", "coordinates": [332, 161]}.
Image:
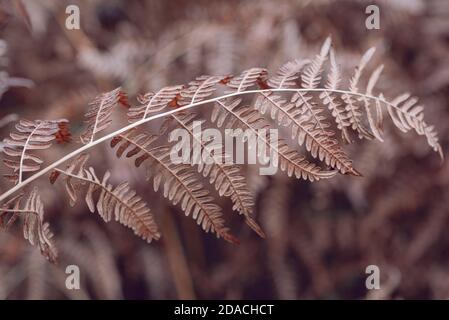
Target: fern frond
{"type": "Point", "coordinates": [34, 229]}
{"type": "Point", "coordinates": [98, 117]}
{"type": "Point", "coordinates": [352, 108]}
{"type": "Point", "coordinates": [310, 79]}
{"type": "Point", "coordinates": [312, 75]}
{"type": "Point", "coordinates": [175, 96]}
{"type": "Point", "coordinates": [30, 135]}
{"type": "Point", "coordinates": [304, 112]}
{"type": "Point", "coordinates": [329, 98]}
{"type": "Point", "coordinates": [320, 145]}
{"type": "Point", "coordinates": [290, 161]}
{"type": "Point", "coordinates": [308, 112]}
{"type": "Point", "coordinates": [180, 185]}
{"type": "Point", "coordinates": [407, 114]}
{"type": "Point", "coordinates": [6, 219]}
{"type": "Point", "coordinates": [224, 176]}
{"type": "Point", "coordinates": [200, 88]}
{"type": "Point", "coordinates": [121, 202]}
{"type": "Point", "coordinates": [375, 124]}
{"type": "Point", "coordinates": [312, 112]}
{"type": "Point", "coordinates": [287, 74]}
{"type": "Point", "coordinates": [153, 102]}
{"type": "Point", "coordinates": [246, 79]}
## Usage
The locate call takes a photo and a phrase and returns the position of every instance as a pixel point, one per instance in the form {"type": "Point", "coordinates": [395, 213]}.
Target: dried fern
{"type": "Point", "coordinates": [246, 79]}
{"type": "Point", "coordinates": [310, 79]}
{"type": "Point", "coordinates": [153, 102]}
{"type": "Point", "coordinates": [302, 95]}
{"type": "Point", "coordinates": [290, 161]}
{"type": "Point", "coordinates": [352, 108]}
{"type": "Point", "coordinates": [120, 201]}
{"type": "Point", "coordinates": [34, 229]}
{"type": "Point", "coordinates": [30, 135]}
{"type": "Point", "coordinates": [98, 117]}
{"type": "Point", "coordinates": [337, 109]}
{"type": "Point", "coordinates": [228, 182]}
{"type": "Point", "coordinates": [226, 177]}
{"type": "Point", "coordinates": [180, 185]}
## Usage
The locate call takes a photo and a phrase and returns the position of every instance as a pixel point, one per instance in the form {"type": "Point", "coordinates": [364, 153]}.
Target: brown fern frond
{"type": "Point", "coordinates": [30, 135]}
{"type": "Point", "coordinates": [153, 102]}
{"type": "Point", "coordinates": [309, 111]}
{"type": "Point", "coordinates": [173, 97]}
{"type": "Point", "coordinates": [98, 117]}
{"type": "Point", "coordinates": [312, 112]}
{"type": "Point", "coordinates": [121, 202]}
{"type": "Point", "coordinates": [287, 74]}
{"type": "Point", "coordinates": [321, 146]}
{"type": "Point", "coordinates": [226, 177]}
{"type": "Point", "coordinates": [311, 77]}
{"type": "Point", "coordinates": [180, 185]}
{"type": "Point", "coordinates": [246, 79]}
{"type": "Point", "coordinates": [8, 218]}
{"type": "Point", "coordinates": [407, 114]}
{"type": "Point", "coordinates": [375, 124]}
{"type": "Point", "coordinates": [352, 108]}
{"type": "Point", "coordinates": [200, 88]}
{"type": "Point", "coordinates": [247, 118]}
{"type": "Point", "coordinates": [34, 229]}
{"type": "Point", "coordinates": [305, 111]}
{"type": "Point", "coordinates": [329, 98]}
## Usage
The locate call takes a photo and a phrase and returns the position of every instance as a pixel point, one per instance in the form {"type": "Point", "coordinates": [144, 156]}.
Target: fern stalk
{"type": "Point", "coordinates": [93, 143]}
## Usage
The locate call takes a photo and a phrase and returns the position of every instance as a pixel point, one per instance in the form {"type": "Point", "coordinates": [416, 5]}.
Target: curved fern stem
{"type": "Point", "coordinates": [93, 143]}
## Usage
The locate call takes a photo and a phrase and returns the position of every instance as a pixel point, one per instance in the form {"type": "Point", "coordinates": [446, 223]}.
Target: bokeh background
{"type": "Point", "coordinates": [320, 236]}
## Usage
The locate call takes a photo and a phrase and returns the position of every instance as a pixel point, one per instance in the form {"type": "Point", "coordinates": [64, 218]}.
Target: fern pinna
{"type": "Point", "coordinates": [304, 96]}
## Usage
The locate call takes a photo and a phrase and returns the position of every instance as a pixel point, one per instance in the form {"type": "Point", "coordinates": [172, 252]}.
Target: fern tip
{"type": "Point", "coordinates": [354, 172]}
{"type": "Point", "coordinates": [231, 238]}
{"type": "Point", "coordinates": [255, 226]}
